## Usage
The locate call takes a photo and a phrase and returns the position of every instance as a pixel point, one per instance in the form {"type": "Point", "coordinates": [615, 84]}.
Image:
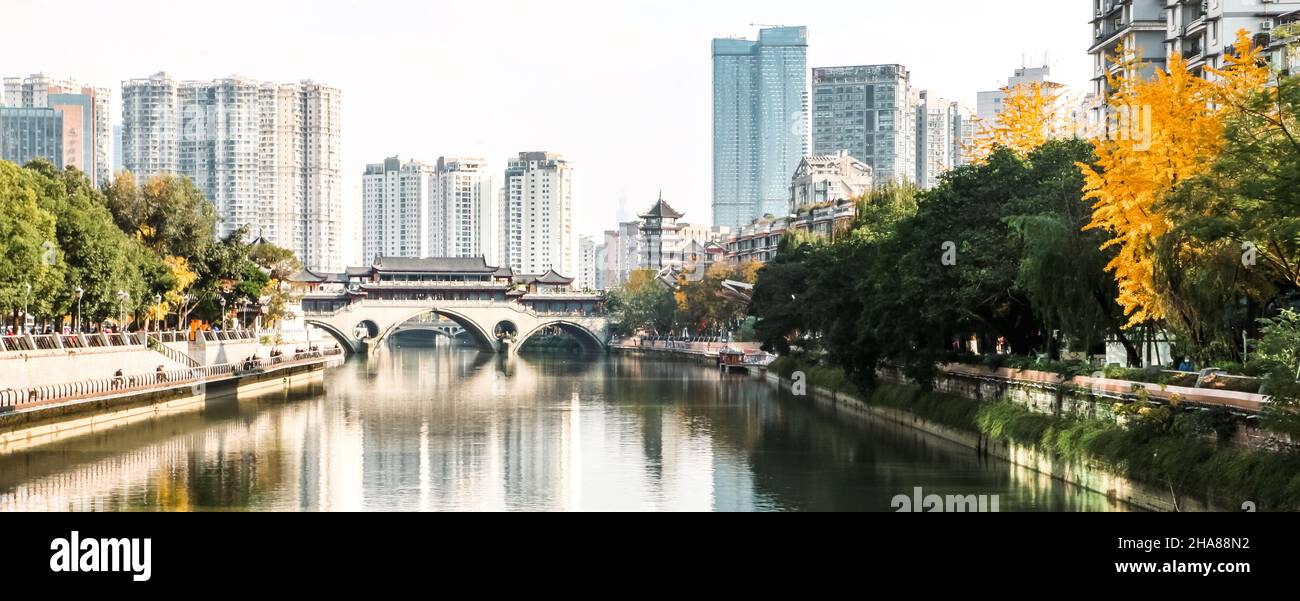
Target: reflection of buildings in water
{"type": "Point", "coordinates": [426, 430]}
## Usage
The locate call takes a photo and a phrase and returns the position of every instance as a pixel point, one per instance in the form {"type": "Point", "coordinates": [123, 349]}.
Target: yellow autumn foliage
{"type": "Point", "coordinates": [1130, 179]}
{"type": "Point", "coordinates": [1031, 115]}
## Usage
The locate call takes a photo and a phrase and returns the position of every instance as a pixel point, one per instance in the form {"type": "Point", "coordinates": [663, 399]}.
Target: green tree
{"type": "Point", "coordinates": [29, 251]}
{"type": "Point", "coordinates": [166, 213]}
{"type": "Point", "coordinates": [643, 303]}
{"type": "Point", "coordinates": [99, 257]}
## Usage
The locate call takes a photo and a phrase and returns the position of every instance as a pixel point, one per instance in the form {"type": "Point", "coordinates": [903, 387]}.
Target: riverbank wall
{"type": "Point", "coordinates": [1087, 475]}
{"type": "Point", "coordinates": [1034, 392]}
{"type": "Point", "coordinates": [35, 426]}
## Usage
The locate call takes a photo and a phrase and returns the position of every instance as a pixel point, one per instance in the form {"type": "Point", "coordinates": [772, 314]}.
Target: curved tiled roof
{"type": "Point", "coordinates": [551, 278]}
{"type": "Point", "coordinates": [473, 265]}
{"type": "Point", "coordinates": [662, 210]}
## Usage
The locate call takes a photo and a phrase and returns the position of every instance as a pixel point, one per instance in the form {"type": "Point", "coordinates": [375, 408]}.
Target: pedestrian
{"type": "Point", "coordinates": [118, 379]}
{"type": "Point", "coordinates": [162, 374]}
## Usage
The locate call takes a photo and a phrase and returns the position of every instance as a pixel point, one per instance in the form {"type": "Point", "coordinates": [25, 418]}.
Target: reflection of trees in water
{"type": "Point", "coordinates": [172, 463]}
{"type": "Point", "coordinates": [811, 459]}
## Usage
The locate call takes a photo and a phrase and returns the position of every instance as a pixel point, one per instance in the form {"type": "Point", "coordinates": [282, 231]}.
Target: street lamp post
{"type": "Point", "coordinates": [121, 310]}
{"type": "Point", "coordinates": [26, 300]}
{"type": "Point", "coordinates": [157, 302]}
{"type": "Point", "coordinates": [80, 293]}
{"type": "Point", "coordinates": [223, 312]}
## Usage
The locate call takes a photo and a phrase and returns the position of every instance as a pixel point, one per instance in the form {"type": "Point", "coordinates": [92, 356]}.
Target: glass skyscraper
{"type": "Point", "coordinates": [31, 133]}
{"type": "Point", "coordinates": [760, 123]}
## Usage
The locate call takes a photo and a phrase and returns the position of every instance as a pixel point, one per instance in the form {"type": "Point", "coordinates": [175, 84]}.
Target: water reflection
{"type": "Point", "coordinates": [424, 429]}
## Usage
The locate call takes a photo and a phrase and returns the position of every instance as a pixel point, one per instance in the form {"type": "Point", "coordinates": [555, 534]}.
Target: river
{"type": "Point", "coordinates": [449, 429]}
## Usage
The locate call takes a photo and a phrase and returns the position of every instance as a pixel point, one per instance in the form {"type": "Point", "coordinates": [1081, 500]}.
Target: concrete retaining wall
{"type": "Point", "coordinates": [1093, 477]}
{"type": "Point", "coordinates": [41, 368]}
{"type": "Point", "coordinates": [19, 431]}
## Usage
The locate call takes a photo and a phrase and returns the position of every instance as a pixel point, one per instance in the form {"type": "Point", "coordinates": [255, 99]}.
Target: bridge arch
{"type": "Point", "coordinates": [475, 331]}
{"type": "Point", "coordinates": [348, 343]}
{"type": "Point", "coordinates": [591, 342]}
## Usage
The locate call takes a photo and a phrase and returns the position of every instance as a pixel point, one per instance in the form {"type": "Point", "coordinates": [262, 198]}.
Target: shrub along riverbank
{"type": "Point", "coordinates": [1184, 451]}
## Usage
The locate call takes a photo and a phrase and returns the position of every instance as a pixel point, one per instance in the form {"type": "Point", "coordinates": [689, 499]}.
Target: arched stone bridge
{"type": "Point", "coordinates": [499, 309]}
{"type": "Point", "coordinates": [366, 324]}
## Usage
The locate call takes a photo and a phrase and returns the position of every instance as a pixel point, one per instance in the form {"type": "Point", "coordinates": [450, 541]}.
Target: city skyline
{"type": "Point", "coordinates": [659, 66]}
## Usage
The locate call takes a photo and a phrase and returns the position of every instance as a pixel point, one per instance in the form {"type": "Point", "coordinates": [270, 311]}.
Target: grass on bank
{"type": "Point", "coordinates": [1183, 451]}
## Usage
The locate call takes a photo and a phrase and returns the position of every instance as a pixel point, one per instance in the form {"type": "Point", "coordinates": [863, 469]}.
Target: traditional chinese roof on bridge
{"type": "Point", "coordinates": [475, 265]}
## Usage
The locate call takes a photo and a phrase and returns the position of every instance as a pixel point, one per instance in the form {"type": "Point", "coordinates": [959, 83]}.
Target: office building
{"type": "Point", "coordinates": [88, 135]}
{"type": "Point", "coordinates": [868, 111]}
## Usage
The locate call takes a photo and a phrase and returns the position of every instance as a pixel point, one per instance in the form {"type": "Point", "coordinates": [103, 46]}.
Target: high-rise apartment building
{"type": "Point", "coordinates": [868, 111]}
{"type": "Point", "coordinates": [88, 135]}
{"type": "Point", "coordinates": [1138, 25]}
{"type": "Point", "coordinates": [322, 172]}
{"type": "Point", "coordinates": [151, 135]}
{"type": "Point", "coordinates": [220, 149]}
{"type": "Point", "coordinates": [537, 214]}
{"type": "Point", "coordinates": [267, 155]}
{"type": "Point", "coordinates": [938, 141]}
{"type": "Point", "coordinates": [396, 209]}
{"type": "Point", "coordinates": [989, 104]}
{"type": "Point", "coordinates": [760, 122]}
{"type": "Point", "coordinates": [586, 263]}
{"type": "Point", "coordinates": [464, 218]}
{"type": "Point", "coordinates": [1203, 31]}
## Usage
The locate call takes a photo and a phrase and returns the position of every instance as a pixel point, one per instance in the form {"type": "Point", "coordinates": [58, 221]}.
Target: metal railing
{"type": "Point", "coordinates": [12, 399]}
{"type": "Point", "coordinates": [53, 342]}
{"type": "Point", "coordinates": [158, 343]}
{"type": "Point", "coordinates": [228, 335]}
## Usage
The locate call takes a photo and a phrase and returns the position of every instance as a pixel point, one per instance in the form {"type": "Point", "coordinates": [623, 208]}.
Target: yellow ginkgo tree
{"type": "Point", "coordinates": [1032, 114]}
{"type": "Point", "coordinates": [1134, 173]}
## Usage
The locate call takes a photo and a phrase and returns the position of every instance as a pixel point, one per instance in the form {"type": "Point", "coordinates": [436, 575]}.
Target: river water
{"type": "Point", "coordinates": [448, 429]}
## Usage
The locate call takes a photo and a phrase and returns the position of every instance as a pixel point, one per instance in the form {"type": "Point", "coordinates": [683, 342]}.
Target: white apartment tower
{"type": "Point", "coordinates": [464, 215]}
{"type": "Point", "coordinates": [1204, 31]}
{"type": "Point", "coordinates": [586, 263]}
{"type": "Point", "coordinates": [267, 155]}
{"type": "Point", "coordinates": [151, 134]}
{"type": "Point", "coordinates": [937, 142]}
{"type": "Point", "coordinates": [322, 173]}
{"type": "Point", "coordinates": [396, 209]}
{"type": "Point", "coordinates": [35, 90]}
{"type": "Point", "coordinates": [538, 214]}
{"type": "Point", "coordinates": [220, 148]}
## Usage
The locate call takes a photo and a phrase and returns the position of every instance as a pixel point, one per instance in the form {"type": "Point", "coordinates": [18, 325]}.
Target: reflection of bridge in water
{"type": "Point", "coordinates": [497, 309]}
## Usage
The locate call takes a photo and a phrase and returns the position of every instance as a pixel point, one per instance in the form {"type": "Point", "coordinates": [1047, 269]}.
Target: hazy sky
{"type": "Point", "coordinates": [621, 87]}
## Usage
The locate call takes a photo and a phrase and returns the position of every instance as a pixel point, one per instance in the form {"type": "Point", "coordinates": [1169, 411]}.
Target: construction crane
{"type": "Point", "coordinates": [764, 25]}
